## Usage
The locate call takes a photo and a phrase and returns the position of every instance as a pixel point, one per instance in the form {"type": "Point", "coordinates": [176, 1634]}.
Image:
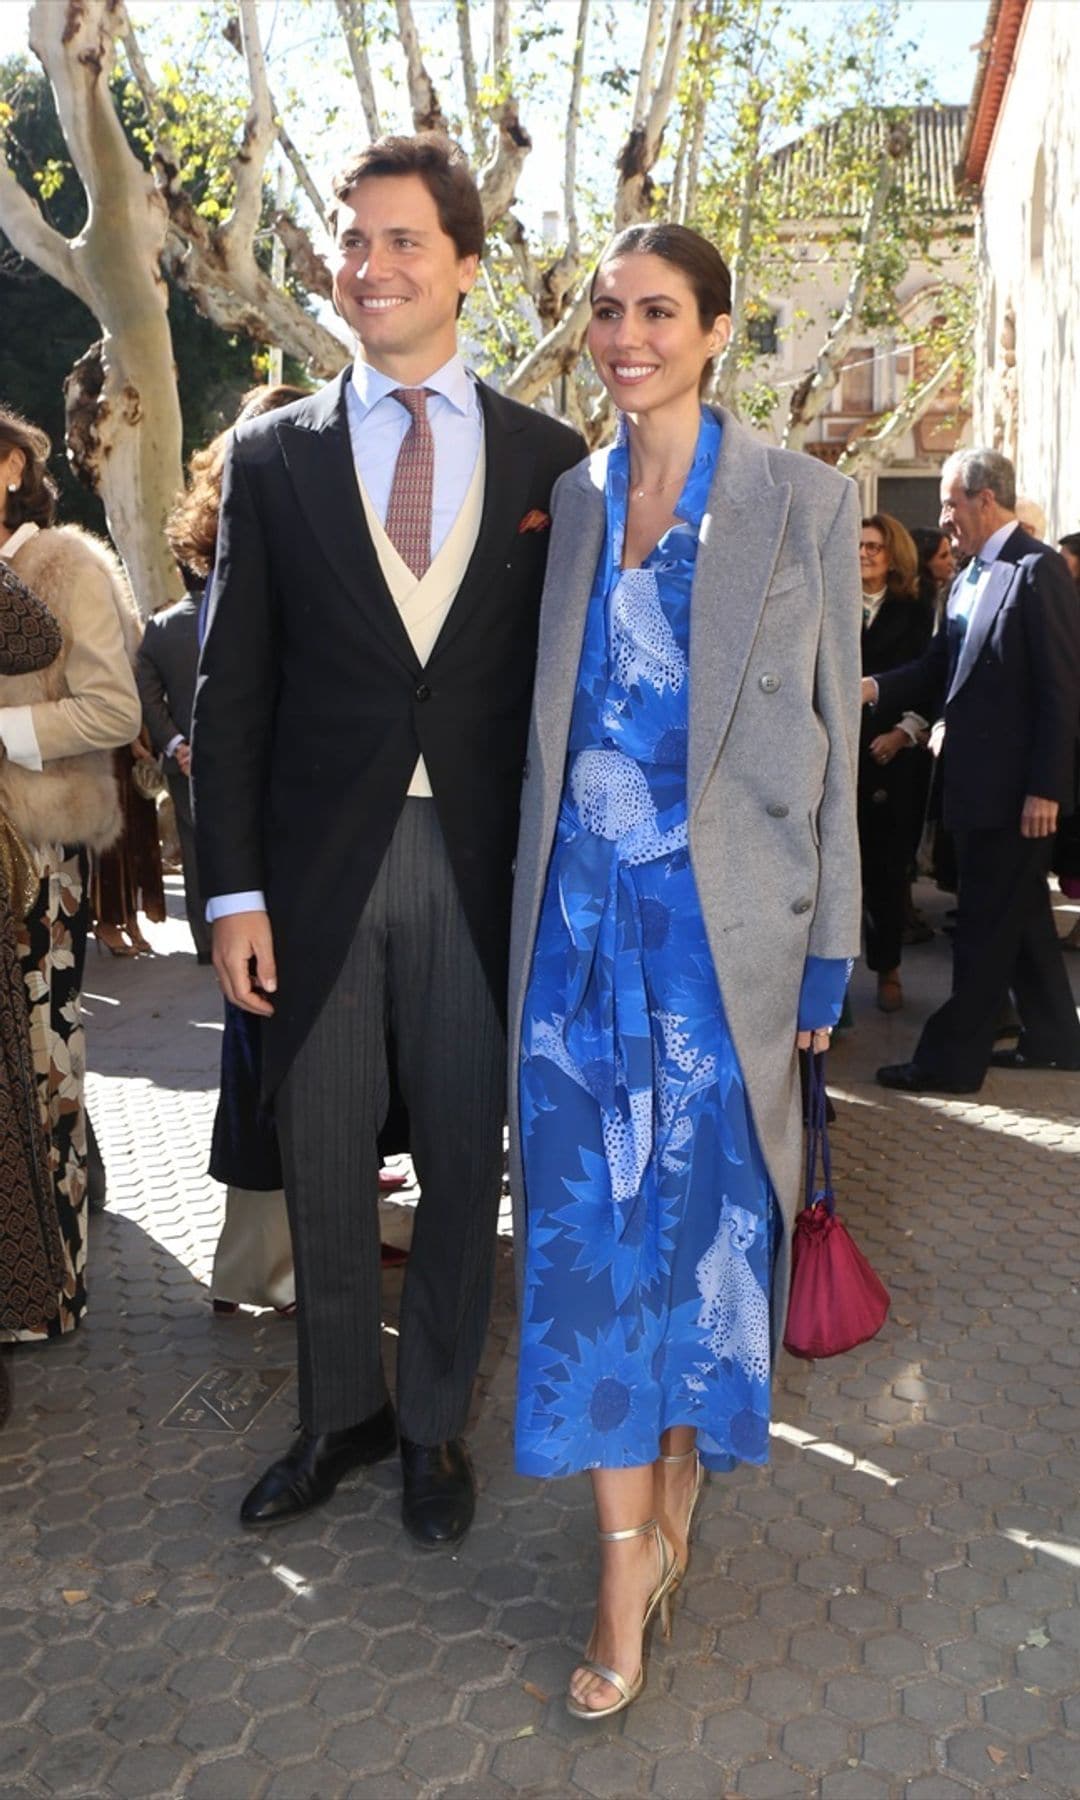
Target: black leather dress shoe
{"type": "Point", "coordinates": [1019, 1059]}
{"type": "Point", "coordinates": [309, 1472]}
{"type": "Point", "coordinates": [910, 1078]}
{"type": "Point", "coordinates": [438, 1496]}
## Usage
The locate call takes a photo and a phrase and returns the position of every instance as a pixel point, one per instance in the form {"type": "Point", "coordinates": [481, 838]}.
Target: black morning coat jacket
{"type": "Point", "coordinates": [312, 706]}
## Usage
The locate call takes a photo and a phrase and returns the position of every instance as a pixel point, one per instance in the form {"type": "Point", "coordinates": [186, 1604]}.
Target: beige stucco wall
{"type": "Point", "coordinates": [1031, 410]}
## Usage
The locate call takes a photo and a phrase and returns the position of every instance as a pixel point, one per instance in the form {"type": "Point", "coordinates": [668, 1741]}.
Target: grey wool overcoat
{"type": "Point", "coordinates": [774, 728]}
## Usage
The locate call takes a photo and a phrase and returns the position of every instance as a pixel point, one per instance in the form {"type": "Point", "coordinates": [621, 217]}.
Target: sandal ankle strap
{"type": "Point", "coordinates": [683, 1456]}
{"type": "Point", "coordinates": [634, 1531]}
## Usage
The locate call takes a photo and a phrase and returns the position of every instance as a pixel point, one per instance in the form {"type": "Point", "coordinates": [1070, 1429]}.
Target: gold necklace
{"type": "Point", "coordinates": [650, 493]}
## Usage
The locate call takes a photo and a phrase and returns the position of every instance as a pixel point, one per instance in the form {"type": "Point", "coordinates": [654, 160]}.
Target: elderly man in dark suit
{"type": "Point", "coordinates": [359, 741]}
{"type": "Point", "coordinates": [1004, 675]}
{"type": "Point", "coordinates": [165, 672]}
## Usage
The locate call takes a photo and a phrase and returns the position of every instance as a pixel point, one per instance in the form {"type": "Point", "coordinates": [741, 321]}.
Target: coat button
{"type": "Point", "coordinates": [423, 692]}
{"type": "Point", "coordinates": [768, 683]}
{"type": "Point", "coordinates": [801, 906]}
{"type": "Point", "coordinates": [777, 810]}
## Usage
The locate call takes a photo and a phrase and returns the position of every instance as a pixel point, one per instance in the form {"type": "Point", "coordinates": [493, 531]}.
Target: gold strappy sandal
{"type": "Point", "coordinates": [695, 1496]}
{"type": "Point", "coordinates": [628, 1691]}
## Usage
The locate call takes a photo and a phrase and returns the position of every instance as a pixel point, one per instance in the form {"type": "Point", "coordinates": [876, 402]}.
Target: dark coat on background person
{"type": "Point", "coordinates": [314, 706]}
{"type": "Point", "coordinates": [165, 673]}
{"type": "Point", "coordinates": [900, 632]}
{"type": "Point", "coordinates": [1008, 691]}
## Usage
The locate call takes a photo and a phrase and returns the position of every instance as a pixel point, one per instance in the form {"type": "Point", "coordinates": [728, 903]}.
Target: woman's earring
{"type": "Point", "coordinates": [12, 487]}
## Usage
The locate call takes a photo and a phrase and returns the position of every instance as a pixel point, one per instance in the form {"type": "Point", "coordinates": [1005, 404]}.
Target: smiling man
{"type": "Point", "coordinates": [359, 746]}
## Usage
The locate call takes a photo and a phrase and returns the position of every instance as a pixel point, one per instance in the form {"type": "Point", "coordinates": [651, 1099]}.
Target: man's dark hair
{"type": "Point", "coordinates": [442, 168]}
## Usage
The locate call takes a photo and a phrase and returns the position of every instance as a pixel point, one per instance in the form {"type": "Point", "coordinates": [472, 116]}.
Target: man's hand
{"type": "Point", "coordinates": [244, 960]}
{"type": "Point", "coordinates": [818, 1039]}
{"type": "Point", "coordinates": [1039, 817]}
{"type": "Point", "coordinates": [183, 758]}
{"type": "Point", "coordinates": [889, 744]}
{"type": "Point", "coordinates": [869, 691]}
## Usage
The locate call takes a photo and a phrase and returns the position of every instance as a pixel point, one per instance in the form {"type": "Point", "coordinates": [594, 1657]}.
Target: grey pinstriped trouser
{"type": "Point", "coordinates": [412, 966]}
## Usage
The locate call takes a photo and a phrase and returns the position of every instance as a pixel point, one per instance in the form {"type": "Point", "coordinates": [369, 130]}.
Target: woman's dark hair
{"type": "Point", "coordinates": [444, 171]}
{"type": "Point", "coordinates": [192, 526]}
{"type": "Point", "coordinates": [928, 540]}
{"type": "Point", "coordinates": [1071, 542]}
{"type": "Point", "coordinates": [34, 500]}
{"type": "Point", "coordinates": [901, 581]}
{"type": "Point", "coordinates": [686, 250]}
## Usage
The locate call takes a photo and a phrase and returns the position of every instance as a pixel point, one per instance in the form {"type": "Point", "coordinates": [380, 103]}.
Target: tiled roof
{"type": "Point", "coordinates": [929, 167]}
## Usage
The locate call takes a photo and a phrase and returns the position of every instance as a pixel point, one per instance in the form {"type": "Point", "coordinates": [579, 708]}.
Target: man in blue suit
{"type": "Point", "coordinates": [1004, 675]}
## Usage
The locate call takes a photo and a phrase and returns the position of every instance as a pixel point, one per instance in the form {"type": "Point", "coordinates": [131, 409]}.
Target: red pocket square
{"type": "Point", "coordinates": [535, 521]}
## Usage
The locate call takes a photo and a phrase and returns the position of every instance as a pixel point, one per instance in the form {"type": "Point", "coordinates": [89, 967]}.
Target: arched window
{"type": "Point", "coordinates": [1038, 210]}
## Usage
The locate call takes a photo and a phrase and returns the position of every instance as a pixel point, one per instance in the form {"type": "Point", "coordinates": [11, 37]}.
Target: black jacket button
{"type": "Point", "coordinates": [423, 692]}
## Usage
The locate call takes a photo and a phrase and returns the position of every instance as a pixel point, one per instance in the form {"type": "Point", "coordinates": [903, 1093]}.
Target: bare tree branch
{"type": "Point", "coordinates": [469, 81]}
{"type": "Point", "coordinates": [307, 265]}
{"type": "Point", "coordinates": [22, 220]}
{"type": "Point", "coordinates": [354, 26]}
{"type": "Point", "coordinates": [557, 280]}
{"type": "Point", "coordinates": [260, 131]}
{"type": "Point", "coordinates": [633, 199]}
{"type": "Point", "coordinates": [426, 111]}
{"type": "Point", "coordinates": [727, 367]}
{"type": "Point", "coordinates": [875, 449]}
{"type": "Point", "coordinates": [554, 355]}
{"type": "Point", "coordinates": [811, 395]}
{"type": "Point", "coordinates": [654, 26]}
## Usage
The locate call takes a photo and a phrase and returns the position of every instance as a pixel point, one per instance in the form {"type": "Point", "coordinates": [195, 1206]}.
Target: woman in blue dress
{"type": "Point", "coordinates": [647, 1160]}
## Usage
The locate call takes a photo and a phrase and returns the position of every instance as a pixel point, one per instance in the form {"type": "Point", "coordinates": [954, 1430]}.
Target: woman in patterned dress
{"type": "Point", "coordinates": [654, 1143]}
{"type": "Point", "coordinates": [58, 729]}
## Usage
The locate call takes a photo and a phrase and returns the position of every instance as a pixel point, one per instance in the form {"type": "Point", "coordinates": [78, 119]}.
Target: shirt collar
{"type": "Point", "coordinates": [452, 381]}
{"type": "Point", "coordinates": [18, 538]}
{"type": "Point", "coordinates": [994, 544]}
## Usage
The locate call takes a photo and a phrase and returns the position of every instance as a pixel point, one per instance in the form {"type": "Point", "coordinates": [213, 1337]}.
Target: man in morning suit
{"type": "Point", "coordinates": [165, 671]}
{"type": "Point", "coordinates": [360, 735]}
{"type": "Point", "coordinates": [1004, 674]}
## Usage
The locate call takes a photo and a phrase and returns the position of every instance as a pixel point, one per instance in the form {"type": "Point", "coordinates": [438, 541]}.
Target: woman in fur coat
{"type": "Point", "coordinates": [58, 728]}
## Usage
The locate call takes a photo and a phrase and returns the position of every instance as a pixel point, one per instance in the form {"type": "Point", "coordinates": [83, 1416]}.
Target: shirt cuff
{"type": "Point", "coordinates": [222, 905]}
{"type": "Point", "coordinates": [174, 743]}
{"type": "Point", "coordinates": [912, 724]}
{"type": "Point", "coordinates": [19, 737]}
{"type": "Point", "coordinates": [824, 984]}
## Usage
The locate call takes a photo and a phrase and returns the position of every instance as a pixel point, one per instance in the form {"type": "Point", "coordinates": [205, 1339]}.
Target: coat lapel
{"type": "Point", "coordinates": [577, 539]}
{"type": "Point", "coordinates": [998, 583]}
{"type": "Point", "coordinates": [318, 455]}
{"type": "Point", "coordinates": [748, 509]}
{"type": "Point", "coordinates": [508, 464]}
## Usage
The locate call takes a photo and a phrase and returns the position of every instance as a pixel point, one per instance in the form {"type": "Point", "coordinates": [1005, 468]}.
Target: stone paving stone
{"type": "Point", "coordinates": [864, 1620]}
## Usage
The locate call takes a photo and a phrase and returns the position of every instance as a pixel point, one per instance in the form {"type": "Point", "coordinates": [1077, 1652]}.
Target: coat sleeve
{"type": "Point", "coordinates": [919, 686]}
{"type": "Point", "coordinates": [235, 697]}
{"type": "Point", "coordinates": [834, 933]}
{"type": "Point", "coordinates": [101, 709]}
{"type": "Point", "coordinates": [151, 685]}
{"type": "Point", "coordinates": [1052, 626]}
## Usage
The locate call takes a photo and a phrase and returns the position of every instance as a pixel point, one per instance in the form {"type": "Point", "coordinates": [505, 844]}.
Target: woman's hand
{"type": "Point", "coordinates": [816, 1040]}
{"type": "Point", "coordinates": [889, 744]}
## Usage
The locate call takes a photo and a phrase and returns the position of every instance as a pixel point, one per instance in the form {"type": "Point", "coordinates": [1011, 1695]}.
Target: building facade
{"type": "Point", "coordinates": [1021, 155]}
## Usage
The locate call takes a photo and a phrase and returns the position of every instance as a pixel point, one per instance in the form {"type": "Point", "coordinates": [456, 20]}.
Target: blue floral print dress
{"type": "Point", "coordinates": [652, 1225]}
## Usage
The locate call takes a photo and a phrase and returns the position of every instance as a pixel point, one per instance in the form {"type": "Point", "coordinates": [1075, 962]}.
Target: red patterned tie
{"type": "Point", "coordinates": [408, 516]}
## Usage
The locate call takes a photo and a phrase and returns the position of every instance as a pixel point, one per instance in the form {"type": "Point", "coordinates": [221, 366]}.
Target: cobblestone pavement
{"type": "Point", "coordinates": [889, 1610]}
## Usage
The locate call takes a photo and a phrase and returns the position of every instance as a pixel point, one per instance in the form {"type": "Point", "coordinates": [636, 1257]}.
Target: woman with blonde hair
{"type": "Point", "coordinates": [59, 726]}
{"type": "Point", "coordinates": [897, 626]}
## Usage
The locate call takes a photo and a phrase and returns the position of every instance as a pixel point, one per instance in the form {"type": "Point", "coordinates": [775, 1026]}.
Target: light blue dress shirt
{"type": "Point", "coordinates": [377, 425]}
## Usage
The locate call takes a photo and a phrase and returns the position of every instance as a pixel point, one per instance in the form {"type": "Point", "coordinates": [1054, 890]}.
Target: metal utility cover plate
{"type": "Point", "coordinates": [226, 1399]}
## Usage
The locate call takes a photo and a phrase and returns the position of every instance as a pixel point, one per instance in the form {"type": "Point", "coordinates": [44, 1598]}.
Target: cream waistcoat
{"type": "Point", "coordinates": [424, 604]}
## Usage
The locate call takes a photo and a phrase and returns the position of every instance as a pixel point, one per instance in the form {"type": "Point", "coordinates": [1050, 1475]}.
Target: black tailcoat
{"type": "Point", "coordinates": [312, 706]}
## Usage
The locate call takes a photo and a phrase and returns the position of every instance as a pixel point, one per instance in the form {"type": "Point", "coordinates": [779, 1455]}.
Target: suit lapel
{"type": "Point", "coordinates": [318, 455]}
{"type": "Point", "coordinates": [745, 508]}
{"type": "Point", "coordinates": [998, 583]}
{"type": "Point", "coordinates": [508, 464]}
{"type": "Point", "coordinates": [576, 542]}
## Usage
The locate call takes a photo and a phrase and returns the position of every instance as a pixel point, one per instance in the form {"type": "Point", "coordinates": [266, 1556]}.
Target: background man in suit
{"type": "Point", "coordinates": [1005, 674]}
{"type": "Point", "coordinates": [359, 741]}
{"type": "Point", "coordinates": [165, 672]}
